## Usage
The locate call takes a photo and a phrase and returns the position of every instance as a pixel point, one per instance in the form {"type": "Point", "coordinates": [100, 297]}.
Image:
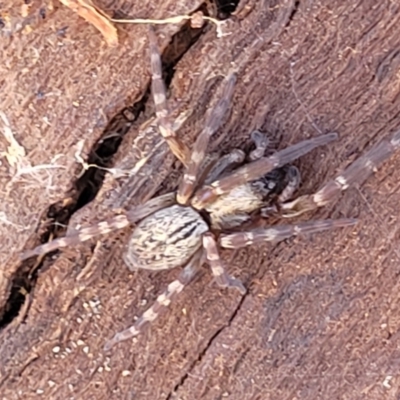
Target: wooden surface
{"type": "Point", "coordinates": [320, 319]}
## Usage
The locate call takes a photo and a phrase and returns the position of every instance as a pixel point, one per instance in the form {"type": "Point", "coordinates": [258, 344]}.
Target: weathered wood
{"type": "Point", "coordinates": [320, 319]}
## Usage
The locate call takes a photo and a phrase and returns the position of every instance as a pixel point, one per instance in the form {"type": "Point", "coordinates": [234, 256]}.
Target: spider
{"type": "Point", "coordinates": [215, 199]}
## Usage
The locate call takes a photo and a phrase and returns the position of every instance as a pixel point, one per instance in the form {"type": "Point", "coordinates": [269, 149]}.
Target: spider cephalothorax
{"type": "Point", "coordinates": [178, 229]}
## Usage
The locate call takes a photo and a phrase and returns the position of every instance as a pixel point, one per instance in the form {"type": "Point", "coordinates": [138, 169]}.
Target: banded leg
{"type": "Point", "coordinates": [355, 174]}
{"type": "Point", "coordinates": [101, 228]}
{"type": "Point", "coordinates": [293, 179]}
{"type": "Point", "coordinates": [221, 276]}
{"type": "Point", "coordinates": [235, 157]}
{"type": "Point", "coordinates": [190, 178]}
{"type": "Point", "coordinates": [280, 232]}
{"type": "Point", "coordinates": [257, 169]}
{"type": "Point", "coordinates": [161, 304]}
{"type": "Point", "coordinates": [178, 148]}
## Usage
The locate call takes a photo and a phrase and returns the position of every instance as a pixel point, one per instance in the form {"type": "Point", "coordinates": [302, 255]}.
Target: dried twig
{"type": "Point", "coordinates": [96, 17]}
{"type": "Point", "coordinates": [103, 22]}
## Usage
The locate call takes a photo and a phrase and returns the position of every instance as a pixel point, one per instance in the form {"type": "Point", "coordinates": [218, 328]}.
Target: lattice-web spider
{"type": "Point", "coordinates": [215, 196]}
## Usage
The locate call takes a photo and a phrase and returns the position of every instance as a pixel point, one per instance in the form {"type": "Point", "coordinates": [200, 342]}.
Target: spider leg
{"type": "Point", "coordinates": [103, 227]}
{"type": "Point", "coordinates": [280, 232]}
{"type": "Point", "coordinates": [355, 174]}
{"type": "Point", "coordinates": [257, 169]}
{"type": "Point", "coordinates": [162, 302]}
{"type": "Point", "coordinates": [262, 142]}
{"type": "Point", "coordinates": [236, 156]}
{"type": "Point", "coordinates": [166, 127]}
{"type": "Point", "coordinates": [293, 182]}
{"type": "Point", "coordinates": [190, 178]}
{"type": "Point", "coordinates": [221, 276]}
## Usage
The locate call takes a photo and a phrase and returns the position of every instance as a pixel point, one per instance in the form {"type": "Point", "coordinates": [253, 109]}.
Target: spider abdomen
{"type": "Point", "coordinates": [166, 239]}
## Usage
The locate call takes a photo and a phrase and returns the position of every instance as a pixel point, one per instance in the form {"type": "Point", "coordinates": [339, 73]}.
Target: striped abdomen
{"type": "Point", "coordinates": [166, 239]}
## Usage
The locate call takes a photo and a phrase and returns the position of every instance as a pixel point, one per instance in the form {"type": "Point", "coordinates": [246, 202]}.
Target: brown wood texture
{"type": "Point", "coordinates": [320, 319]}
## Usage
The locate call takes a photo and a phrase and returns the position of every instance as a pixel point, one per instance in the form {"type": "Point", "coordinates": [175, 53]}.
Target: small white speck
{"type": "Point", "coordinates": [341, 180]}
{"type": "Point", "coordinates": [80, 342]}
{"type": "Point", "coordinates": [79, 320]}
{"type": "Point", "coordinates": [56, 349]}
{"type": "Point", "coordinates": [40, 391]}
{"type": "Point", "coordinates": [106, 364]}
{"type": "Point", "coordinates": [68, 350]}
{"type": "Point", "coordinates": [386, 382]}
{"type": "Point", "coordinates": [51, 383]}
{"type": "Point", "coordinates": [86, 349]}
{"type": "Point", "coordinates": [46, 120]}
{"type": "Point", "coordinates": [126, 373]}
{"type": "Point", "coordinates": [271, 335]}
{"type": "Point", "coordinates": [100, 369]}
{"type": "Point", "coordinates": [94, 303]}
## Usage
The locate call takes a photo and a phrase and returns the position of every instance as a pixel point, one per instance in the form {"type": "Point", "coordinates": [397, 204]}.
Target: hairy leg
{"type": "Point", "coordinates": [355, 174]}
{"type": "Point", "coordinates": [101, 228]}
{"type": "Point", "coordinates": [213, 122]}
{"type": "Point", "coordinates": [280, 232]}
{"type": "Point", "coordinates": [165, 125]}
{"type": "Point", "coordinates": [262, 142]}
{"type": "Point", "coordinates": [236, 156]}
{"type": "Point", "coordinates": [257, 169]}
{"type": "Point", "coordinates": [221, 276]}
{"type": "Point", "coordinates": [161, 304]}
{"type": "Point", "coordinates": [292, 182]}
